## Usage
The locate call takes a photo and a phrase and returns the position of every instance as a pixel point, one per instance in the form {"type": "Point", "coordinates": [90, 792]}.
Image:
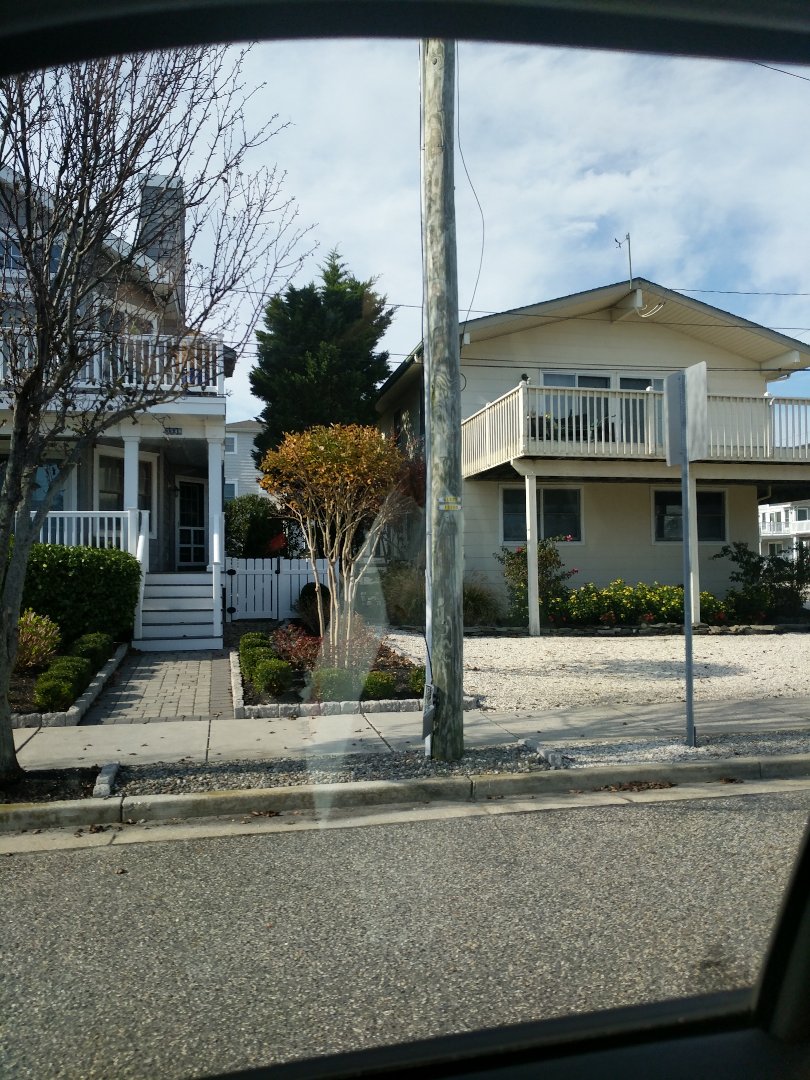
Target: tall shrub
{"type": "Point", "coordinates": [83, 589]}
{"type": "Point", "coordinates": [552, 576]}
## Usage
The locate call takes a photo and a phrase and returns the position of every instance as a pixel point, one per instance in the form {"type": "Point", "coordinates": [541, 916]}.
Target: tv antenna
{"type": "Point", "coordinates": [620, 244]}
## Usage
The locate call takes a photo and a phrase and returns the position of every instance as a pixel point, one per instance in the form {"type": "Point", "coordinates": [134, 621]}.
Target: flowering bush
{"type": "Point", "coordinates": [552, 576]}
{"type": "Point", "coordinates": [620, 604]}
{"type": "Point", "coordinates": [296, 646]}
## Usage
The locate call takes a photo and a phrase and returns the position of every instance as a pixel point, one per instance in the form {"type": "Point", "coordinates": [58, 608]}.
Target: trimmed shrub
{"type": "Point", "coordinates": [83, 589]}
{"type": "Point", "coordinates": [379, 684]}
{"type": "Point", "coordinates": [250, 657]}
{"type": "Point", "coordinates": [335, 684]}
{"type": "Point", "coordinates": [552, 576]}
{"type": "Point", "coordinates": [271, 676]}
{"type": "Point", "coordinates": [416, 680]}
{"type": "Point", "coordinates": [59, 686]}
{"type": "Point", "coordinates": [95, 647]}
{"type": "Point", "coordinates": [38, 641]}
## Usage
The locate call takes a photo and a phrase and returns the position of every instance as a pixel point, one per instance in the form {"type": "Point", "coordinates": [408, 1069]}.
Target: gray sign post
{"type": "Point", "coordinates": [685, 430]}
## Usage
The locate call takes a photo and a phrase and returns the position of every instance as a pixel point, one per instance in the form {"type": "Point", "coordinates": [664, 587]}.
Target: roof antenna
{"type": "Point", "coordinates": [621, 243]}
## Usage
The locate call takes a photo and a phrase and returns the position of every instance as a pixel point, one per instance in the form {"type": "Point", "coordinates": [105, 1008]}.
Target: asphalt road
{"type": "Point", "coordinates": [215, 954]}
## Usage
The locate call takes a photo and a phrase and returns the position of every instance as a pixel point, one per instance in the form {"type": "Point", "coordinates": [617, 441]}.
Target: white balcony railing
{"type": "Point", "coordinates": [122, 530]}
{"type": "Point", "coordinates": [188, 365]}
{"type": "Point", "coordinates": [790, 525]}
{"type": "Point", "coordinates": [561, 422]}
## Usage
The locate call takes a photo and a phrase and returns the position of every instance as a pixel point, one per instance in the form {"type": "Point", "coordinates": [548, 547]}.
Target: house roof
{"type": "Point", "coordinates": [640, 299]}
{"type": "Point", "coordinates": [245, 425]}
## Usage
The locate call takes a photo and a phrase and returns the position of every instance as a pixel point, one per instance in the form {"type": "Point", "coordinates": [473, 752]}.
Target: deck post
{"type": "Point", "coordinates": [531, 555]}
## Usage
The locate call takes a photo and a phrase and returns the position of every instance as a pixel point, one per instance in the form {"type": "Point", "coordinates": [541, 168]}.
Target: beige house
{"type": "Point", "coordinates": [563, 407]}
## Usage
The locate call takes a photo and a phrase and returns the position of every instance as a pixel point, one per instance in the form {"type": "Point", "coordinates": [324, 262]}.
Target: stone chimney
{"type": "Point", "coordinates": [162, 231]}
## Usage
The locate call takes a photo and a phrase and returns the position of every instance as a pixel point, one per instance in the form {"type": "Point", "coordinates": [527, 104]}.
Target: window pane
{"type": "Point", "coordinates": [230, 444]}
{"type": "Point", "coordinates": [110, 483]}
{"type": "Point", "coordinates": [634, 384]}
{"type": "Point", "coordinates": [601, 382]}
{"type": "Point", "coordinates": [145, 486]}
{"type": "Point", "coordinates": [555, 378]}
{"type": "Point", "coordinates": [561, 513]}
{"type": "Point", "coordinates": [802, 513]}
{"type": "Point", "coordinates": [230, 491]}
{"type": "Point", "coordinates": [514, 515]}
{"type": "Point", "coordinates": [711, 515]}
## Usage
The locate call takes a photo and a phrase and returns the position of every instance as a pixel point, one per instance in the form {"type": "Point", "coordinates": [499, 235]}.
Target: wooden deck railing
{"type": "Point", "coordinates": [561, 422]}
{"type": "Point", "coordinates": [189, 365]}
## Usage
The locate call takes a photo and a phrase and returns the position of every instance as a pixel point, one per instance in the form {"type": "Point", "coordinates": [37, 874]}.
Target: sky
{"type": "Point", "coordinates": [704, 163]}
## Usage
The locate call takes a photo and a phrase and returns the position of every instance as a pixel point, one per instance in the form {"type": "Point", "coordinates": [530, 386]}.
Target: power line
{"type": "Point", "coordinates": [782, 71]}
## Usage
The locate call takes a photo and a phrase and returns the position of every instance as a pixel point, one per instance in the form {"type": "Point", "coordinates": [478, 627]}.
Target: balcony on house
{"type": "Point", "coordinates": [191, 365]}
{"type": "Point", "coordinates": [552, 422]}
{"type": "Point", "coordinates": [791, 521]}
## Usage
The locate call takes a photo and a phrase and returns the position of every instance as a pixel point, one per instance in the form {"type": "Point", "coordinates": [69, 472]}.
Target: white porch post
{"type": "Point", "coordinates": [694, 582]}
{"type": "Point", "coordinates": [531, 554]}
{"type": "Point", "coordinates": [131, 446]}
{"type": "Point", "coordinates": [215, 524]}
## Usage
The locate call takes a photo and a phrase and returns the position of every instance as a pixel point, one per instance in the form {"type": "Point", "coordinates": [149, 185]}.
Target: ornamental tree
{"type": "Point", "coordinates": [342, 486]}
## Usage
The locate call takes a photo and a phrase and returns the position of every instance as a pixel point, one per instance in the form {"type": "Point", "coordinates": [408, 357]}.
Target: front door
{"type": "Point", "coordinates": [192, 528]}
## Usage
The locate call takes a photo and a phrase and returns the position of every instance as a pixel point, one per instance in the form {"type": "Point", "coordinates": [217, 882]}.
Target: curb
{"type": "Point", "coordinates": [72, 717]}
{"type": "Point", "coordinates": [121, 809]}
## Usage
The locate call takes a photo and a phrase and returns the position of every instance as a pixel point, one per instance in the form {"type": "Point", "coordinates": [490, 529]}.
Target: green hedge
{"type": "Point", "coordinates": [94, 647]}
{"type": "Point", "coordinates": [620, 604]}
{"type": "Point", "coordinates": [59, 686]}
{"type": "Point", "coordinates": [83, 589]}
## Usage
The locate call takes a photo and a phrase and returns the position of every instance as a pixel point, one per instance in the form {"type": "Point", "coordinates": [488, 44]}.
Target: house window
{"type": "Point", "coordinates": [774, 549]}
{"type": "Point", "coordinates": [110, 481]}
{"type": "Point", "coordinates": [230, 444]}
{"type": "Point", "coordinates": [229, 491]}
{"type": "Point", "coordinates": [10, 255]}
{"type": "Point", "coordinates": [803, 513]}
{"type": "Point", "coordinates": [711, 516]}
{"type": "Point", "coordinates": [559, 513]}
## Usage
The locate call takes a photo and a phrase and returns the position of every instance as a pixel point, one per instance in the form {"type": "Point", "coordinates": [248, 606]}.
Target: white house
{"type": "Point", "coordinates": [563, 408]}
{"type": "Point", "coordinates": [783, 527]}
{"type": "Point", "coordinates": [153, 485]}
{"type": "Point", "coordinates": [241, 474]}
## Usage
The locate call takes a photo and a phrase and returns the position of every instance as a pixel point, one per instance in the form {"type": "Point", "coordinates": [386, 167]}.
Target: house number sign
{"type": "Point", "coordinates": [173, 431]}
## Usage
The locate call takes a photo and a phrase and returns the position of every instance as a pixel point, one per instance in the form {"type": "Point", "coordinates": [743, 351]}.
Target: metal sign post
{"type": "Point", "coordinates": [685, 403]}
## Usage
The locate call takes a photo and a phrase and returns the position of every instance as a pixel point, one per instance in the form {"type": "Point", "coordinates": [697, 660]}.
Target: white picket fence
{"type": "Point", "coordinates": [266, 588]}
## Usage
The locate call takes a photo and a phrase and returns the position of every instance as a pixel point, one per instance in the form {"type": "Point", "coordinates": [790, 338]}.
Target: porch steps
{"type": "Point", "coordinates": [177, 614]}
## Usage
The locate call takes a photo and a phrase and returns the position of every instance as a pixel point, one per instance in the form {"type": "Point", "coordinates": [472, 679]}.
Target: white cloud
{"type": "Point", "coordinates": [702, 162]}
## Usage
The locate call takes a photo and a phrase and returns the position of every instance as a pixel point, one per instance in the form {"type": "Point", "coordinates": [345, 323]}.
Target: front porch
{"type": "Point", "coordinates": [625, 425]}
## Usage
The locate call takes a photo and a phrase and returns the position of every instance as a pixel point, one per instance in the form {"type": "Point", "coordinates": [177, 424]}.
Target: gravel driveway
{"type": "Point", "coordinates": [515, 673]}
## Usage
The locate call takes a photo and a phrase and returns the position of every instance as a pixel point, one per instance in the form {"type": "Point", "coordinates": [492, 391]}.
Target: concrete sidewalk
{"type": "Point", "coordinates": [155, 709]}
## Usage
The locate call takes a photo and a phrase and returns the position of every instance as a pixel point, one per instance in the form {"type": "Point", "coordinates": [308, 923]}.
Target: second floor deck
{"type": "Point", "coordinates": [550, 422]}
{"type": "Point", "coordinates": [192, 365]}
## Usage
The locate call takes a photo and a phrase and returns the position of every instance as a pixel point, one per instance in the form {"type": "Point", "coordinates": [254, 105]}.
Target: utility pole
{"type": "Point", "coordinates": [443, 414]}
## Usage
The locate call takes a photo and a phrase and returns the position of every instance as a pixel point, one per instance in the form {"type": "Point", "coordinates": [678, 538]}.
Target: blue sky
{"type": "Point", "coordinates": [704, 163]}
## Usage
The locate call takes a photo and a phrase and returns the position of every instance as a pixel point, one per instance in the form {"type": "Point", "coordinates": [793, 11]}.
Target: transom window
{"type": "Point", "coordinates": [711, 516]}
{"type": "Point", "coordinates": [559, 513]}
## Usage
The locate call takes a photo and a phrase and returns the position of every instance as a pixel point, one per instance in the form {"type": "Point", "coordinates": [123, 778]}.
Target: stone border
{"type": "Point", "coordinates": [120, 809]}
{"type": "Point", "coordinates": [322, 708]}
{"type": "Point", "coordinates": [73, 716]}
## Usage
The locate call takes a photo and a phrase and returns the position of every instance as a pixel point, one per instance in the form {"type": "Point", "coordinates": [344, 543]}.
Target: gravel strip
{"type": "Point", "coordinates": [162, 779]}
{"type": "Point", "coordinates": [709, 748]}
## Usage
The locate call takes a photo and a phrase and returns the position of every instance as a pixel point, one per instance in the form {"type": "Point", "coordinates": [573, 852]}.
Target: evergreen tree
{"type": "Point", "coordinates": [317, 358]}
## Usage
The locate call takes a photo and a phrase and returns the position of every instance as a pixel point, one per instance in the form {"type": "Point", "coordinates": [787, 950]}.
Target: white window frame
{"type": "Point", "coordinates": [118, 452]}
{"type": "Point", "coordinates": [708, 490]}
{"type": "Point", "coordinates": [234, 447]}
{"type": "Point", "coordinates": [540, 489]}
{"type": "Point", "coordinates": [235, 484]}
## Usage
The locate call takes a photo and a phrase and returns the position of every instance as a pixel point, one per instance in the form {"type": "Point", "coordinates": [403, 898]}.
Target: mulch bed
{"type": "Point", "coordinates": [47, 785]}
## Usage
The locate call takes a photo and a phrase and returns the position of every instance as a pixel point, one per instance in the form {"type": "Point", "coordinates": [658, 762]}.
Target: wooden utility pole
{"type": "Point", "coordinates": [443, 414]}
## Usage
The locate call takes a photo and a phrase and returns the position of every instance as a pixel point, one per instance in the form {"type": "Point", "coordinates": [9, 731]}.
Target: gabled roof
{"type": "Point", "coordinates": [642, 300]}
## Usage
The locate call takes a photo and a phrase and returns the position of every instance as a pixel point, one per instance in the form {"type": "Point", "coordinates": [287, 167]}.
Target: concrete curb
{"type": "Point", "coordinates": [73, 716]}
{"type": "Point", "coordinates": [118, 809]}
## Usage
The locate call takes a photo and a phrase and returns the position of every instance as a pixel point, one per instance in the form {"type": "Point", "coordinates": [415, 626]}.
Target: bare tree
{"type": "Point", "coordinates": [131, 230]}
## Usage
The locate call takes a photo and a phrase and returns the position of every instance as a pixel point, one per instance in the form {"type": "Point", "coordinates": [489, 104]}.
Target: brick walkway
{"type": "Point", "coordinates": [154, 687]}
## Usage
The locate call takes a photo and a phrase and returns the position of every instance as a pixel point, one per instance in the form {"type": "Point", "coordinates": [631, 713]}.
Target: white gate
{"type": "Point", "coordinates": [266, 588]}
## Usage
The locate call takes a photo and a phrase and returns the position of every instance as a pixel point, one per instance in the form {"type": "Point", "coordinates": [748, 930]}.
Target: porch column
{"type": "Point", "coordinates": [131, 446]}
{"type": "Point", "coordinates": [531, 554]}
{"type": "Point", "coordinates": [216, 541]}
{"type": "Point", "coordinates": [694, 583]}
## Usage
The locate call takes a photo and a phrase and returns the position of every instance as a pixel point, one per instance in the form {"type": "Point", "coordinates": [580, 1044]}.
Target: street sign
{"type": "Point", "coordinates": [685, 393]}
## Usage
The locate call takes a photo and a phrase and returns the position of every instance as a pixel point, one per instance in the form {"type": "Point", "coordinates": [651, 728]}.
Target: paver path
{"type": "Point", "coordinates": [154, 687]}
